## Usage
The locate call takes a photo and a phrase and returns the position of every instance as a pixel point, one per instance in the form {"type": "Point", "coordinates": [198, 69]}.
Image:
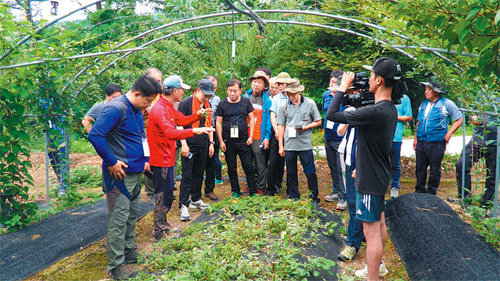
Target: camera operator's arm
{"type": "Point", "coordinates": [333, 113]}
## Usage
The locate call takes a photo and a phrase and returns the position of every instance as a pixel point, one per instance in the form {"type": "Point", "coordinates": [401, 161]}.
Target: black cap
{"type": "Point", "coordinates": [386, 67]}
{"type": "Point", "coordinates": [207, 87]}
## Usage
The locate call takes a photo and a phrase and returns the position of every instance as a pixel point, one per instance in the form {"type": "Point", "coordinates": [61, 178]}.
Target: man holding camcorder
{"type": "Point", "coordinates": [376, 124]}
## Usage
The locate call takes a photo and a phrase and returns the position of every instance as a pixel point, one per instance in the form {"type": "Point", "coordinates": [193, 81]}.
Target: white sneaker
{"type": "Point", "coordinates": [394, 192]}
{"type": "Point", "coordinates": [185, 216]}
{"type": "Point", "coordinates": [342, 205]}
{"type": "Point", "coordinates": [332, 197]}
{"type": "Point", "coordinates": [363, 273]}
{"type": "Point", "coordinates": [198, 205]}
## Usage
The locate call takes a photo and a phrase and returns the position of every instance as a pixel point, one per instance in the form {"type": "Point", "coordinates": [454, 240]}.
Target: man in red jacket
{"type": "Point", "coordinates": [162, 134]}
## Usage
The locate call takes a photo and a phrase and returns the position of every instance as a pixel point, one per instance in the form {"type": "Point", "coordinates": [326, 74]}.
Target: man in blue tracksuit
{"type": "Point", "coordinates": [332, 141]}
{"type": "Point", "coordinates": [432, 135]}
{"type": "Point", "coordinates": [118, 137]}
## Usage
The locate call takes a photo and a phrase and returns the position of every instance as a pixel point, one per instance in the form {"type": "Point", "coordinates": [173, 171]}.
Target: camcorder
{"type": "Point", "coordinates": [361, 85]}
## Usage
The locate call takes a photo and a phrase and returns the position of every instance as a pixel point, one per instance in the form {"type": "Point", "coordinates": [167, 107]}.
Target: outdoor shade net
{"type": "Point", "coordinates": [435, 244]}
{"type": "Point", "coordinates": [37, 246]}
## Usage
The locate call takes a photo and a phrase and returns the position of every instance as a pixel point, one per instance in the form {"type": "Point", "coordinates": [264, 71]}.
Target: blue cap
{"type": "Point", "coordinates": [175, 81]}
{"type": "Point", "coordinates": [207, 87]}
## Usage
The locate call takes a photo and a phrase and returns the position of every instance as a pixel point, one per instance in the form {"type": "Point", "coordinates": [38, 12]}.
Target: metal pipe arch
{"type": "Point", "coordinates": [239, 23]}
{"type": "Point", "coordinates": [339, 17]}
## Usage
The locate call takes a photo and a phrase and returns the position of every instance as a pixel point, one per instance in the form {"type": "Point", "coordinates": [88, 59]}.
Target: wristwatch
{"type": "Point", "coordinates": [212, 142]}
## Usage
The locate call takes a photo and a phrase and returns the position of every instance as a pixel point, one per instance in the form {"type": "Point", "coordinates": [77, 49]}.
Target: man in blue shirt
{"type": "Point", "coordinates": [404, 115]}
{"type": "Point", "coordinates": [118, 137]}
{"type": "Point", "coordinates": [332, 142]}
{"type": "Point", "coordinates": [432, 135]}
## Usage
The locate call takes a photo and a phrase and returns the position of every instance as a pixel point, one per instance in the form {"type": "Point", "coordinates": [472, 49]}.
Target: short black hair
{"type": "Point", "coordinates": [388, 82]}
{"type": "Point", "coordinates": [147, 86]}
{"type": "Point", "coordinates": [211, 77]}
{"type": "Point", "coordinates": [266, 70]}
{"type": "Point", "coordinates": [336, 73]}
{"type": "Point", "coordinates": [233, 82]}
{"type": "Point", "coordinates": [168, 91]}
{"type": "Point", "coordinates": [112, 88]}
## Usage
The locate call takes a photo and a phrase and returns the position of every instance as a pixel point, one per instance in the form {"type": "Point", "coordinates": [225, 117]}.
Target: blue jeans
{"type": "Point", "coordinates": [307, 161]}
{"type": "Point", "coordinates": [355, 227]}
{"type": "Point", "coordinates": [333, 159]}
{"type": "Point", "coordinates": [396, 164]}
{"type": "Point", "coordinates": [59, 163]}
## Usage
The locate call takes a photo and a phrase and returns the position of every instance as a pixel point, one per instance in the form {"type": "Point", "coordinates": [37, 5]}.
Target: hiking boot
{"type": "Point", "coordinates": [123, 272]}
{"type": "Point", "coordinates": [347, 253]}
{"type": "Point", "coordinates": [131, 257]}
{"type": "Point", "coordinates": [342, 205]}
{"type": "Point", "coordinates": [235, 195]}
{"type": "Point", "coordinates": [363, 273]}
{"type": "Point", "coordinates": [219, 181]}
{"type": "Point", "coordinates": [332, 197]}
{"type": "Point", "coordinates": [185, 216]}
{"type": "Point", "coordinates": [198, 205]}
{"type": "Point", "coordinates": [394, 192]}
{"type": "Point", "coordinates": [211, 196]}
{"type": "Point", "coordinates": [245, 191]}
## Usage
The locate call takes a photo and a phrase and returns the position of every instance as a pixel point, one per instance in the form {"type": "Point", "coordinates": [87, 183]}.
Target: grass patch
{"type": "Point", "coordinates": [258, 238]}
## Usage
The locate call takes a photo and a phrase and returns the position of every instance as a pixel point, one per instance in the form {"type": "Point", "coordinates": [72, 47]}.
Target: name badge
{"type": "Point", "coordinates": [292, 133]}
{"type": "Point", "coordinates": [329, 124]}
{"type": "Point", "coordinates": [145, 147]}
{"type": "Point", "coordinates": [257, 106]}
{"type": "Point", "coordinates": [234, 132]}
{"type": "Point", "coordinates": [179, 127]}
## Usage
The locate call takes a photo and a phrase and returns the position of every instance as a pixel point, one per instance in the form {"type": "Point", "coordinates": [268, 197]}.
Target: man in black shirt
{"type": "Point", "coordinates": [376, 124]}
{"type": "Point", "coordinates": [235, 135]}
{"type": "Point", "coordinates": [196, 150]}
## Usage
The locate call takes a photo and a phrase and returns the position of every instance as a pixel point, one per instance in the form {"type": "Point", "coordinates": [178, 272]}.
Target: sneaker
{"type": "Point", "coordinates": [219, 181]}
{"type": "Point", "coordinates": [185, 216]}
{"type": "Point", "coordinates": [245, 191]}
{"type": "Point", "coordinates": [171, 229]}
{"type": "Point", "coordinates": [211, 196]}
{"type": "Point", "coordinates": [123, 272]}
{"type": "Point", "coordinates": [454, 200]}
{"type": "Point", "coordinates": [363, 273]}
{"type": "Point", "coordinates": [198, 205]}
{"type": "Point", "coordinates": [131, 257]}
{"type": "Point", "coordinates": [62, 192]}
{"type": "Point", "coordinates": [332, 197]}
{"type": "Point", "coordinates": [342, 205]}
{"type": "Point", "coordinates": [394, 192]}
{"type": "Point", "coordinates": [235, 195]}
{"type": "Point", "coordinates": [347, 253]}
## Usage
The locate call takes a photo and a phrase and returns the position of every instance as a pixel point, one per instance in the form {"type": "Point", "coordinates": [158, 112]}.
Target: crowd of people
{"type": "Point", "coordinates": [269, 127]}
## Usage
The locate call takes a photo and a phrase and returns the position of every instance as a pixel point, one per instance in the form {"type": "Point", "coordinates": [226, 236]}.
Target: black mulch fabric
{"type": "Point", "coordinates": [37, 246]}
{"type": "Point", "coordinates": [435, 244]}
{"type": "Point", "coordinates": [328, 246]}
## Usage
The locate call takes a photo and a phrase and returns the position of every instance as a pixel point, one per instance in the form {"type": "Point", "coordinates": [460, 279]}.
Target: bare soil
{"type": "Point", "coordinates": [90, 263]}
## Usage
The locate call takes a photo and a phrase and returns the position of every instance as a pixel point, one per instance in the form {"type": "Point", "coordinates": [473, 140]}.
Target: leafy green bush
{"type": "Point", "coordinates": [256, 238]}
{"type": "Point", "coordinates": [86, 176]}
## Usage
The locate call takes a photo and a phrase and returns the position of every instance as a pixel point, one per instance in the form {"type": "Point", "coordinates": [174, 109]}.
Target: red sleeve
{"type": "Point", "coordinates": [182, 120]}
{"type": "Point", "coordinates": [168, 128]}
